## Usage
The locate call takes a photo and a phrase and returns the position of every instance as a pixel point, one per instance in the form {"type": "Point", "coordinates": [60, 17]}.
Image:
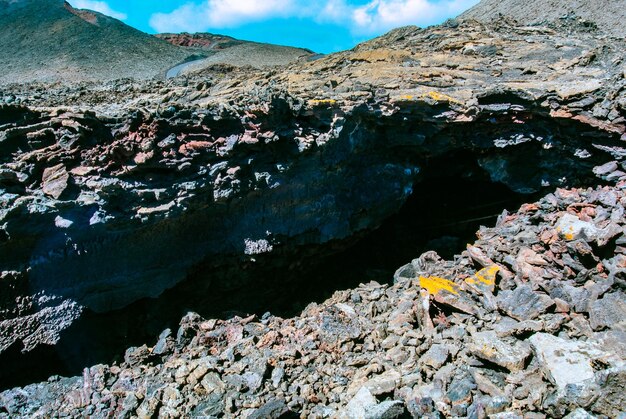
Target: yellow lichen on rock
{"type": "Point", "coordinates": [440, 97]}
{"type": "Point", "coordinates": [486, 276]}
{"type": "Point", "coordinates": [318, 102]}
{"type": "Point", "coordinates": [435, 284]}
{"type": "Point", "coordinates": [432, 95]}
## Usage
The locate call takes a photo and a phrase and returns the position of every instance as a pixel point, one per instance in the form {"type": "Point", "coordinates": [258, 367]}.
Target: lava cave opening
{"type": "Point", "coordinates": [443, 214]}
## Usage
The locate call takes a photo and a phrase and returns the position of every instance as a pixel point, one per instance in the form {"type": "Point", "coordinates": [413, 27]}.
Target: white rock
{"type": "Point", "coordinates": [571, 227]}
{"type": "Point", "coordinates": [567, 361]}
{"type": "Point", "coordinates": [358, 405]}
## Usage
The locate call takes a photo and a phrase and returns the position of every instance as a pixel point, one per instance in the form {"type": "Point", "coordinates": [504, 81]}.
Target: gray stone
{"type": "Point", "coordinates": [165, 343]}
{"type": "Point", "coordinates": [212, 383]}
{"type": "Point", "coordinates": [211, 405]}
{"type": "Point", "coordinates": [506, 415]}
{"type": "Point", "coordinates": [273, 409]}
{"type": "Point", "coordinates": [390, 409]}
{"type": "Point", "coordinates": [435, 356]}
{"type": "Point", "coordinates": [611, 395]}
{"type": "Point", "coordinates": [487, 346]}
{"type": "Point", "coordinates": [606, 168]}
{"type": "Point", "coordinates": [384, 383]}
{"type": "Point", "coordinates": [460, 390]}
{"type": "Point", "coordinates": [523, 303]}
{"type": "Point", "coordinates": [610, 311]}
{"type": "Point", "coordinates": [579, 413]}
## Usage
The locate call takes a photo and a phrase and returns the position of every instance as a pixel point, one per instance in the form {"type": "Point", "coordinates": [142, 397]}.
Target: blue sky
{"type": "Point", "coordinates": [322, 26]}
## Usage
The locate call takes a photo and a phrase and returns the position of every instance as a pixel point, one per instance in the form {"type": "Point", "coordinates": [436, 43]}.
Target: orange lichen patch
{"type": "Point", "coordinates": [435, 284]}
{"type": "Point", "coordinates": [486, 276]}
{"type": "Point", "coordinates": [567, 235]}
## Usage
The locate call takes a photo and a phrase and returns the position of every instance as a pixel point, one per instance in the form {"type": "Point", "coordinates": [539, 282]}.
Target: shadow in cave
{"type": "Point", "coordinates": [442, 214]}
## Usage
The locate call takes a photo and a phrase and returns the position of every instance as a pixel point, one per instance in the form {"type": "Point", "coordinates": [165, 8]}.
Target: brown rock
{"type": "Point", "coordinates": [55, 180]}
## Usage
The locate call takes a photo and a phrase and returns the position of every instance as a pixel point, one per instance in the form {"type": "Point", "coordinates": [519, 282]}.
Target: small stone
{"type": "Point", "coordinates": [253, 381]}
{"type": "Point", "coordinates": [384, 383]}
{"type": "Point", "coordinates": [135, 356]}
{"type": "Point", "coordinates": [277, 376]}
{"type": "Point", "coordinates": [61, 222]}
{"type": "Point", "coordinates": [609, 311]}
{"type": "Point", "coordinates": [570, 228]}
{"type": "Point", "coordinates": [436, 356]}
{"type": "Point", "coordinates": [460, 390]}
{"type": "Point", "coordinates": [55, 181]}
{"type": "Point", "coordinates": [165, 343]}
{"type": "Point", "coordinates": [273, 409]}
{"type": "Point", "coordinates": [389, 409]}
{"type": "Point", "coordinates": [487, 346]}
{"type": "Point", "coordinates": [497, 404]}
{"type": "Point", "coordinates": [210, 406]}
{"type": "Point", "coordinates": [523, 303]}
{"type": "Point", "coordinates": [579, 413]}
{"type": "Point", "coordinates": [358, 405]}
{"type": "Point", "coordinates": [212, 383]}
{"type": "Point", "coordinates": [506, 415]}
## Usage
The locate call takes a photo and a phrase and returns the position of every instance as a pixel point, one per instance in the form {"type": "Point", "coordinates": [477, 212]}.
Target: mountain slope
{"type": "Point", "coordinates": [49, 40]}
{"type": "Point", "coordinates": [221, 49]}
{"type": "Point", "coordinates": [609, 15]}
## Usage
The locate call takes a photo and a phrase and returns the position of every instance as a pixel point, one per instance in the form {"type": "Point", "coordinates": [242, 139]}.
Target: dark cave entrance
{"type": "Point", "coordinates": [443, 213]}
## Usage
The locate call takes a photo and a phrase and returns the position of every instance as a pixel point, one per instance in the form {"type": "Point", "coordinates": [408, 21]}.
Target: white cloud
{"type": "Point", "coordinates": [382, 15]}
{"type": "Point", "coordinates": [194, 17]}
{"type": "Point", "coordinates": [374, 17]}
{"type": "Point", "coordinates": [98, 6]}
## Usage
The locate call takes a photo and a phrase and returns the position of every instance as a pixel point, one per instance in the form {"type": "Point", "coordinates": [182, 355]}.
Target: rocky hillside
{"type": "Point", "coordinates": [608, 16]}
{"type": "Point", "coordinates": [205, 41]}
{"type": "Point", "coordinates": [48, 40]}
{"type": "Point", "coordinates": [224, 50]}
{"type": "Point", "coordinates": [125, 205]}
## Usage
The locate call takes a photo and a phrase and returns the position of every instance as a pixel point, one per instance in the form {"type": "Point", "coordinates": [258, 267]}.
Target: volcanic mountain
{"type": "Point", "coordinates": [49, 40]}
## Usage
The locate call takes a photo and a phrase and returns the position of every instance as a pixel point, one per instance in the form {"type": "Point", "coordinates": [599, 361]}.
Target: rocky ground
{"type": "Point", "coordinates": [603, 15]}
{"type": "Point", "coordinates": [527, 322]}
{"type": "Point", "coordinates": [114, 192]}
